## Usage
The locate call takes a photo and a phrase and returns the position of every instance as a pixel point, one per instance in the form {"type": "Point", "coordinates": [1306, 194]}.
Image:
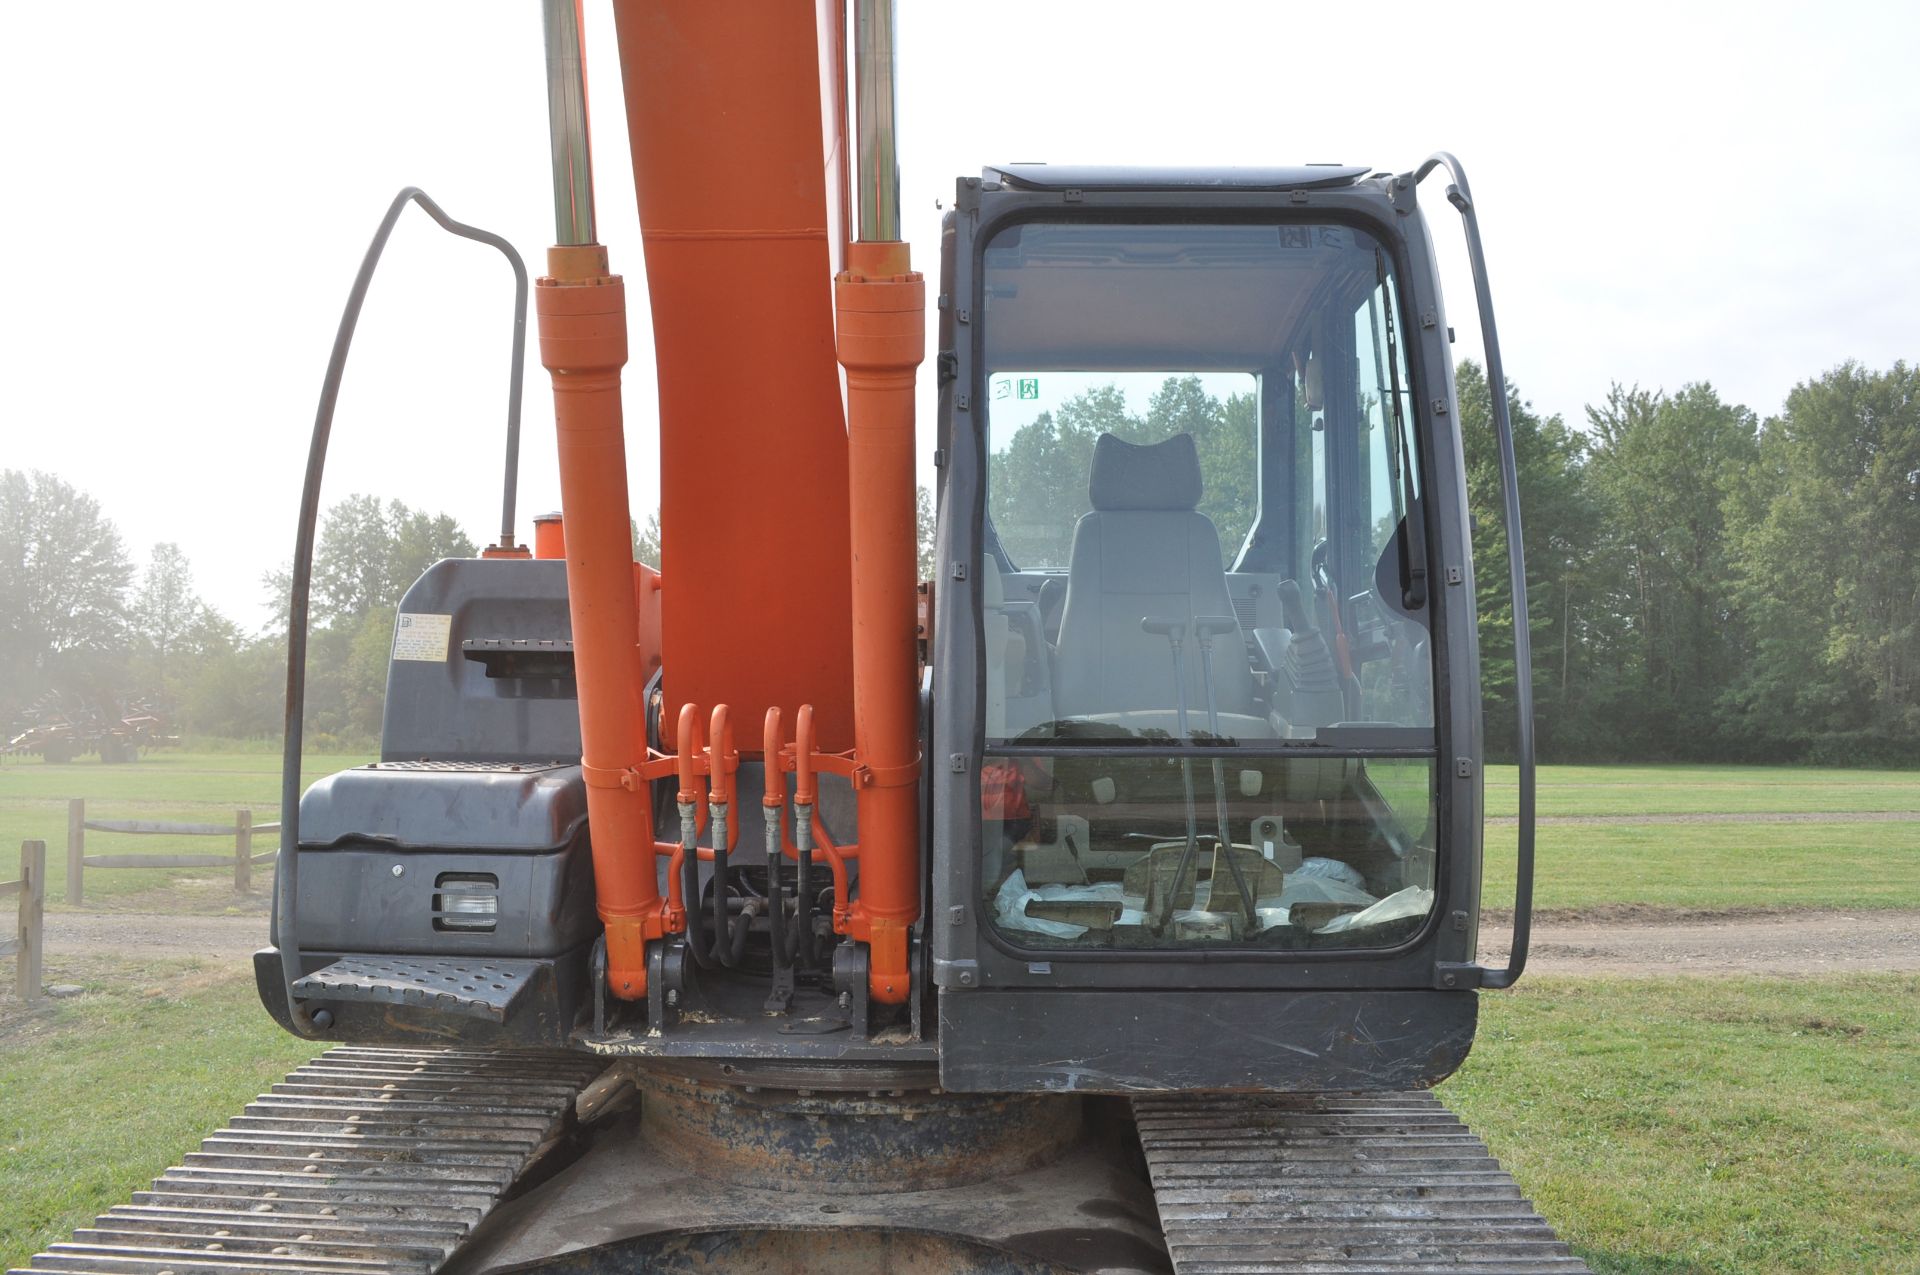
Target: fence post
{"type": "Point", "coordinates": [242, 851]}
{"type": "Point", "coordinates": [33, 895]}
{"type": "Point", "coordinates": [76, 847]}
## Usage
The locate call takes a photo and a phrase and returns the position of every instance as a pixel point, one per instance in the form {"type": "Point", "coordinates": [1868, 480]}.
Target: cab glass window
{"type": "Point", "coordinates": [1209, 714]}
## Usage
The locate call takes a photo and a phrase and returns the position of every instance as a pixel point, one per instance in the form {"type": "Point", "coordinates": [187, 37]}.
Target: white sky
{"type": "Point", "coordinates": [1669, 192]}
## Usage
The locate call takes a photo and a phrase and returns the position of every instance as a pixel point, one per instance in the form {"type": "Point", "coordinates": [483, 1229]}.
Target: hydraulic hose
{"type": "Point", "coordinates": [287, 872]}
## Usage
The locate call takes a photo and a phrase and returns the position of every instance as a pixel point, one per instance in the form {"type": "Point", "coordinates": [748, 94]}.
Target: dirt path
{"type": "Point", "coordinates": [151, 934]}
{"type": "Point", "coordinates": [1616, 943]}
{"type": "Point", "coordinates": [1842, 816]}
{"type": "Point", "coordinates": [1763, 943]}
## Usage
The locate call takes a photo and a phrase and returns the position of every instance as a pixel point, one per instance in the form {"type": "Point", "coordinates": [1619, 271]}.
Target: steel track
{"type": "Point", "coordinates": [383, 1161]}
{"type": "Point", "coordinates": [1336, 1184]}
{"type": "Point", "coordinates": [362, 1162]}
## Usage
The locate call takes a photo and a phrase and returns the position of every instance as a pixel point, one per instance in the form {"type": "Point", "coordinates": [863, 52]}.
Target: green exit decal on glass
{"type": "Point", "coordinates": [1029, 387]}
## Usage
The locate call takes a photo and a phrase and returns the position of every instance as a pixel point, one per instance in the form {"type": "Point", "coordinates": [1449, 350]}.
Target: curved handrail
{"type": "Point", "coordinates": [287, 870]}
{"type": "Point", "coordinates": [1460, 195]}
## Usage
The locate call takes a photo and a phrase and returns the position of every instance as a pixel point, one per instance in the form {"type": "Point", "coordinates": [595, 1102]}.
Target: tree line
{"type": "Point", "coordinates": [1705, 583]}
{"type": "Point", "coordinates": [83, 628]}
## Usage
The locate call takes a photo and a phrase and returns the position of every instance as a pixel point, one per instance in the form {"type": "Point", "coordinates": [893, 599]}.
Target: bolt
{"type": "Point", "coordinates": [399, 871]}
{"type": "Point", "coordinates": [966, 978]}
{"type": "Point", "coordinates": [673, 997]}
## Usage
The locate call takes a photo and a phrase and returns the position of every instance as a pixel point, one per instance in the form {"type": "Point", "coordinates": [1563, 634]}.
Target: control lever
{"type": "Point", "coordinates": [1175, 631]}
{"type": "Point", "coordinates": [1204, 629]}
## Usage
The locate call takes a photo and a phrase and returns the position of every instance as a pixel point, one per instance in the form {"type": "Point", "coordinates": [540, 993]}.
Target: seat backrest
{"type": "Point", "coordinates": [1144, 550]}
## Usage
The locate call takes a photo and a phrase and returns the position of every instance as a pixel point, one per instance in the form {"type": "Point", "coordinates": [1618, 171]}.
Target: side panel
{"type": "Point", "coordinates": [1142, 1042]}
{"type": "Point", "coordinates": [457, 708]}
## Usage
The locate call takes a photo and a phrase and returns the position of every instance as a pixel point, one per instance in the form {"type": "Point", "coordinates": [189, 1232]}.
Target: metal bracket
{"type": "Point", "coordinates": [850, 980]}
{"type": "Point", "coordinates": [916, 962]}
{"type": "Point", "coordinates": [673, 986]}
{"type": "Point", "coordinates": [597, 967]}
{"type": "Point", "coordinates": [1457, 976]}
{"type": "Point", "coordinates": [956, 973]}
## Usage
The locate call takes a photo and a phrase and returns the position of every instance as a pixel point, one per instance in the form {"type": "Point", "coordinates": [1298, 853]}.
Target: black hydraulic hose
{"type": "Point", "coordinates": [723, 938]}
{"type": "Point", "coordinates": [1461, 198]}
{"type": "Point", "coordinates": [736, 949]}
{"type": "Point", "coordinates": [803, 900]}
{"type": "Point", "coordinates": [776, 903]}
{"type": "Point", "coordinates": [690, 897]}
{"type": "Point", "coordinates": [287, 871]}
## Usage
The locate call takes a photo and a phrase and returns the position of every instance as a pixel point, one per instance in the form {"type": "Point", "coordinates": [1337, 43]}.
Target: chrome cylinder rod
{"type": "Point", "coordinates": [879, 163]}
{"type": "Point", "coordinates": [567, 123]}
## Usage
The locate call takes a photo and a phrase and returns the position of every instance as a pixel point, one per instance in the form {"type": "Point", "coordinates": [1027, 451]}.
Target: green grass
{"type": "Point", "coordinates": [100, 1093]}
{"type": "Point", "coordinates": [167, 784]}
{"type": "Point", "coordinates": [1666, 789]}
{"type": "Point", "coordinates": [1712, 866]}
{"type": "Point", "coordinates": [1675, 1125]}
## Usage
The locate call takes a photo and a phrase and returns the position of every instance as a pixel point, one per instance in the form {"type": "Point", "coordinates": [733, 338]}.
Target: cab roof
{"type": "Point", "coordinates": [1136, 177]}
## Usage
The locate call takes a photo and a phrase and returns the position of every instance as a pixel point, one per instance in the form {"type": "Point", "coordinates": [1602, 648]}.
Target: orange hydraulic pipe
{"type": "Point", "coordinates": [583, 343]}
{"type": "Point", "coordinates": [775, 796]}
{"type": "Point", "coordinates": [881, 339]}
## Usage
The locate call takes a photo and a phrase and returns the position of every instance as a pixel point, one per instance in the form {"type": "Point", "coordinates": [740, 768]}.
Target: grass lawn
{"type": "Point", "coordinates": [100, 1093]}
{"type": "Point", "coordinates": [1670, 1125]}
{"type": "Point", "coordinates": [167, 785]}
{"type": "Point", "coordinates": [1663, 1125]}
{"type": "Point", "coordinates": [1667, 789]}
{"type": "Point", "coordinates": [1712, 866]}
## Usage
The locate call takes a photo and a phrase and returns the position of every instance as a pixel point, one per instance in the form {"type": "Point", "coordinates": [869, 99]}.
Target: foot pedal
{"type": "Point", "coordinates": [477, 988]}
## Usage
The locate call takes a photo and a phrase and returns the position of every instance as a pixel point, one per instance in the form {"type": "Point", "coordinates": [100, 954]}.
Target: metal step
{"type": "Point", "coordinates": [472, 986]}
{"type": "Point", "coordinates": [1336, 1184]}
{"type": "Point", "coordinates": [367, 1162]}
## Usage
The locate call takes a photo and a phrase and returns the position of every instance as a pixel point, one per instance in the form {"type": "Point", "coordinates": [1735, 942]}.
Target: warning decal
{"type": "Point", "coordinates": [422, 636]}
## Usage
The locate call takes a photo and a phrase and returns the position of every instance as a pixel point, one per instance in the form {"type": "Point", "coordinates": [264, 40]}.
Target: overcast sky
{"type": "Point", "coordinates": [1669, 193]}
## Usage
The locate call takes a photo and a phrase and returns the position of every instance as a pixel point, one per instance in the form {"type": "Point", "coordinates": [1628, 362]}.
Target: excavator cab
{"type": "Point", "coordinates": [1194, 681]}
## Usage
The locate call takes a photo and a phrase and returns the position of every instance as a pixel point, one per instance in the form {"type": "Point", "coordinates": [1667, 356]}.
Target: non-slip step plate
{"type": "Point", "coordinates": [363, 1162]}
{"type": "Point", "coordinates": [1336, 1184]}
{"type": "Point", "coordinates": [475, 987]}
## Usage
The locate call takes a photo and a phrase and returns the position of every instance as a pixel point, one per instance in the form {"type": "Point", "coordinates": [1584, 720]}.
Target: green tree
{"type": "Point", "coordinates": [1037, 486]}
{"type": "Point", "coordinates": [646, 544]}
{"type": "Point", "coordinates": [1568, 589]}
{"type": "Point", "coordinates": [1666, 469]}
{"type": "Point", "coordinates": [923, 533]}
{"type": "Point", "coordinates": [166, 614]}
{"type": "Point", "coordinates": [1829, 555]}
{"type": "Point", "coordinates": [369, 551]}
{"type": "Point", "coordinates": [64, 577]}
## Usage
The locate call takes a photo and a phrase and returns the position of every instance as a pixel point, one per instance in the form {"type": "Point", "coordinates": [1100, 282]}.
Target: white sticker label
{"type": "Point", "coordinates": [422, 636]}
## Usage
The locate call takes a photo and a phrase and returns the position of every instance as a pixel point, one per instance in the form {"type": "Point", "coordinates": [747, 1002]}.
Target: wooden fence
{"type": "Point", "coordinates": [27, 945]}
{"type": "Point", "coordinates": [241, 860]}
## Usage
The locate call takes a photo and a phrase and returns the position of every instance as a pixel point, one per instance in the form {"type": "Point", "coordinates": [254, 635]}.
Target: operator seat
{"type": "Point", "coordinates": [1145, 550]}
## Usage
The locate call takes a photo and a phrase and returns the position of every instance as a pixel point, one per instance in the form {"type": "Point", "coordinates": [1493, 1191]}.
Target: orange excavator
{"type": "Point", "coordinates": [1107, 902]}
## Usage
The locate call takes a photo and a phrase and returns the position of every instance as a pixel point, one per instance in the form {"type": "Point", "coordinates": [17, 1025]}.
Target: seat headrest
{"type": "Point", "coordinates": [1162, 475]}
